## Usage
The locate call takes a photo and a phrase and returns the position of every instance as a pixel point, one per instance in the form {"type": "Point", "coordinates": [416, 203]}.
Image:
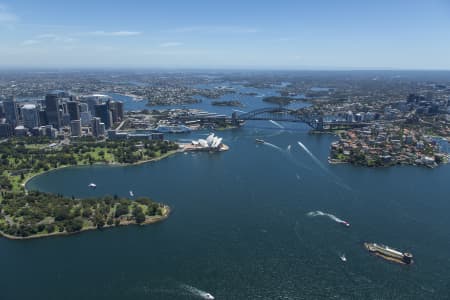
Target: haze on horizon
{"type": "Point", "coordinates": [227, 34]}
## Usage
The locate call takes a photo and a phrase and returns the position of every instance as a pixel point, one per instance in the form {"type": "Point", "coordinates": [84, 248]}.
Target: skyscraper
{"type": "Point", "coordinates": [43, 118]}
{"type": "Point", "coordinates": [116, 108]}
{"type": "Point", "coordinates": [74, 110]}
{"type": "Point", "coordinates": [2, 110]}
{"type": "Point", "coordinates": [102, 111]}
{"type": "Point", "coordinates": [11, 114]}
{"type": "Point", "coordinates": [75, 127]}
{"type": "Point", "coordinates": [30, 116]}
{"type": "Point", "coordinates": [52, 109]}
{"type": "Point", "coordinates": [96, 126]}
{"type": "Point", "coordinates": [119, 108]}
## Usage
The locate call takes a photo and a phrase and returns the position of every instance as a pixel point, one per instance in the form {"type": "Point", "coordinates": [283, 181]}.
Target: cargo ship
{"type": "Point", "coordinates": [389, 253]}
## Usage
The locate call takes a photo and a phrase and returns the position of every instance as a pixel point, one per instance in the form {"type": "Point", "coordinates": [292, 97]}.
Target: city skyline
{"type": "Point", "coordinates": [231, 35]}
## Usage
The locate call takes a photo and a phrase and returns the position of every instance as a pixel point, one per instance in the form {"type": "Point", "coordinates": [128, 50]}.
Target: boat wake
{"type": "Point", "coordinates": [287, 153]}
{"type": "Point", "coordinates": [196, 292]}
{"type": "Point", "coordinates": [315, 159]}
{"type": "Point", "coordinates": [273, 146]}
{"type": "Point", "coordinates": [241, 111]}
{"type": "Point", "coordinates": [322, 166]}
{"type": "Point", "coordinates": [330, 216]}
{"type": "Point", "coordinates": [276, 124]}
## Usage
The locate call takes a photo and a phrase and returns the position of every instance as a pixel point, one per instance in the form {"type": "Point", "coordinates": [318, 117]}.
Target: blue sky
{"type": "Point", "coordinates": [317, 34]}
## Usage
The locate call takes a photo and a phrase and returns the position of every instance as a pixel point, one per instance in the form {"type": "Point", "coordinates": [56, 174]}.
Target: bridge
{"type": "Point", "coordinates": [281, 114]}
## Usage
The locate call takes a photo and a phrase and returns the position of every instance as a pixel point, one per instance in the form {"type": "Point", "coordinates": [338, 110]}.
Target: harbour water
{"type": "Point", "coordinates": [241, 228]}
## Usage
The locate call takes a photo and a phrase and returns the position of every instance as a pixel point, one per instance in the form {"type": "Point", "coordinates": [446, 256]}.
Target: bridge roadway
{"type": "Point", "coordinates": [281, 114]}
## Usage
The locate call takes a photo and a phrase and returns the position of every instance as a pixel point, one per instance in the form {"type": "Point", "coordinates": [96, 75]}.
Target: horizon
{"type": "Point", "coordinates": [173, 35]}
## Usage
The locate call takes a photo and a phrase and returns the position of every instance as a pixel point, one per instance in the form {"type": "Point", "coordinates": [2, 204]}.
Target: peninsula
{"type": "Point", "coordinates": [33, 214]}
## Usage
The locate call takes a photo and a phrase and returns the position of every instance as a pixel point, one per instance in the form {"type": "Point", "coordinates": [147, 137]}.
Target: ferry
{"type": "Point", "coordinates": [259, 141]}
{"type": "Point", "coordinates": [390, 254]}
{"type": "Point", "coordinates": [92, 185]}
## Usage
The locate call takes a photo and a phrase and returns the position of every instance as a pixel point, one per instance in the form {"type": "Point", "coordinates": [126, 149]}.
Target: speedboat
{"type": "Point", "coordinates": [346, 223]}
{"type": "Point", "coordinates": [92, 185]}
{"type": "Point", "coordinates": [208, 296]}
{"type": "Point", "coordinates": [342, 257]}
{"type": "Point", "coordinates": [131, 194]}
{"type": "Point", "coordinates": [259, 141]}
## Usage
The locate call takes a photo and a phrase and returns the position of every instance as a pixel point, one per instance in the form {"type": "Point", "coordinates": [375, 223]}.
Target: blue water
{"type": "Point", "coordinates": [250, 102]}
{"type": "Point", "coordinates": [240, 229]}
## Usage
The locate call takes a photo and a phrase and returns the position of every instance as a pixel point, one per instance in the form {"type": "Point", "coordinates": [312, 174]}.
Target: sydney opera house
{"type": "Point", "coordinates": [211, 143]}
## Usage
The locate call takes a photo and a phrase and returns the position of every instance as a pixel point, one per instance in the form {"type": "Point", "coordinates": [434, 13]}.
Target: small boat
{"type": "Point", "coordinates": [131, 194]}
{"type": "Point", "coordinates": [259, 141]}
{"type": "Point", "coordinates": [346, 223]}
{"type": "Point", "coordinates": [208, 296]}
{"type": "Point", "coordinates": [342, 257]}
{"type": "Point", "coordinates": [92, 185]}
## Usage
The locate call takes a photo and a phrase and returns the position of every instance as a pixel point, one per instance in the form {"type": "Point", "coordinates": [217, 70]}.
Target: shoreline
{"type": "Point", "coordinates": [148, 220]}
{"type": "Point", "coordinates": [112, 164]}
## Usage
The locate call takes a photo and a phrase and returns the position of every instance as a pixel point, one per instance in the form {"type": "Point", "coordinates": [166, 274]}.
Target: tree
{"type": "Point", "coordinates": [139, 215]}
{"type": "Point", "coordinates": [74, 225]}
{"type": "Point", "coordinates": [62, 213]}
{"type": "Point", "coordinates": [122, 209]}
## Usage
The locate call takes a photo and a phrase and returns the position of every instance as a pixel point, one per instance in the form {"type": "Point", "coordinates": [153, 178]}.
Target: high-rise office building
{"type": "Point", "coordinates": [11, 114]}
{"type": "Point", "coordinates": [85, 118]}
{"type": "Point", "coordinates": [112, 108]}
{"type": "Point", "coordinates": [2, 111]}
{"type": "Point", "coordinates": [75, 128]}
{"type": "Point", "coordinates": [74, 110]}
{"type": "Point", "coordinates": [116, 108]}
{"type": "Point", "coordinates": [52, 110]}
{"type": "Point", "coordinates": [95, 126]}
{"type": "Point", "coordinates": [95, 99]}
{"type": "Point", "coordinates": [43, 118]}
{"type": "Point", "coordinates": [119, 108]}
{"type": "Point", "coordinates": [30, 116]}
{"type": "Point", "coordinates": [102, 111]}
{"type": "Point", "coordinates": [83, 107]}
{"type": "Point", "coordinates": [6, 130]}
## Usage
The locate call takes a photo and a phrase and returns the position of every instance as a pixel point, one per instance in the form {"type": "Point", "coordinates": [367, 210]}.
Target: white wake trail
{"type": "Point", "coordinates": [314, 158]}
{"type": "Point", "coordinates": [273, 146]}
{"type": "Point", "coordinates": [241, 111]}
{"type": "Point", "coordinates": [322, 166]}
{"type": "Point", "coordinates": [287, 153]}
{"type": "Point", "coordinates": [196, 292]}
{"type": "Point", "coordinates": [276, 124]}
{"type": "Point", "coordinates": [321, 213]}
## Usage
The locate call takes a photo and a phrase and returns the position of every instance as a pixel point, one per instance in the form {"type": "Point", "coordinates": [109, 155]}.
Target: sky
{"type": "Point", "coordinates": [231, 34]}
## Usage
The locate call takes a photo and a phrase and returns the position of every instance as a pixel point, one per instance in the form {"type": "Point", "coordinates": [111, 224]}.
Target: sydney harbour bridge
{"type": "Point", "coordinates": [280, 114]}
